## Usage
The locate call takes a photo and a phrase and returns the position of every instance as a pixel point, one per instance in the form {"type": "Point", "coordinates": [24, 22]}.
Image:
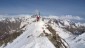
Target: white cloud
{"type": "Point", "coordinates": [20, 15]}
{"type": "Point", "coordinates": [66, 17]}
{"type": "Point", "coordinates": [50, 16]}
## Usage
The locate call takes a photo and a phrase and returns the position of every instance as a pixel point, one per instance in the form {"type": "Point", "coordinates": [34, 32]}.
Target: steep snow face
{"type": "Point", "coordinates": [74, 41]}
{"type": "Point", "coordinates": [30, 38]}
{"type": "Point", "coordinates": [62, 33]}
{"type": "Point", "coordinates": [78, 42]}
{"type": "Point", "coordinates": [66, 23]}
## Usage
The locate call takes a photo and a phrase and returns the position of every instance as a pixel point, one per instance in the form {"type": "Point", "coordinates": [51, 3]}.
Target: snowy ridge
{"type": "Point", "coordinates": [33, 36]}
{"type": "Point", "coordinates": [30, 39]}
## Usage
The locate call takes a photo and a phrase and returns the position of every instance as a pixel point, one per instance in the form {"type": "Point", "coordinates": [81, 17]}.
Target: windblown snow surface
{"type": "Point", "coordinates": [31, 38]}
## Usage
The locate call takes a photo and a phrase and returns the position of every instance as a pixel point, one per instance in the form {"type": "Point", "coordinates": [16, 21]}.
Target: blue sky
{"type": "Point", "coordinates": [46, 7]}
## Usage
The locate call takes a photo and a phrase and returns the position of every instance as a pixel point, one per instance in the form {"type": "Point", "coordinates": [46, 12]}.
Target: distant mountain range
{"type": "Point", "coordinates": [49, 32]}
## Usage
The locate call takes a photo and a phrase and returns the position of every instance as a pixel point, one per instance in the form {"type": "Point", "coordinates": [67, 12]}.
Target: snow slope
{"type": "Point", "coordinates": [72, 40]}
{"type": "Point", "coordinates": [30, 39]}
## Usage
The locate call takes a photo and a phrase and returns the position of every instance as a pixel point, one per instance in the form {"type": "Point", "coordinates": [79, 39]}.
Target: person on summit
{"type": "Point", "coordinates": [38, 18]}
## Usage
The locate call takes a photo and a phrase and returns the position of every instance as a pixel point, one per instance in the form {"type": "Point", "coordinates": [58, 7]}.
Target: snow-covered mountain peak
{"type": "Point", "coordinates": [48, 32]}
